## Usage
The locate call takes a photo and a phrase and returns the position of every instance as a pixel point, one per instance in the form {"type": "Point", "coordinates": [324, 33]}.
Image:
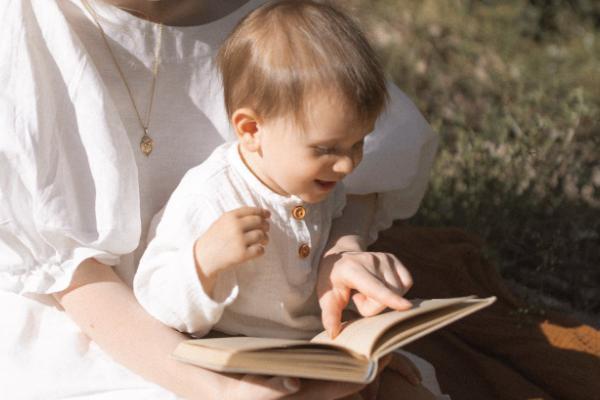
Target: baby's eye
{"type": "Point", "coordinates": [359, 145]}
{"type": "Point", "coordinates": [324, 150]}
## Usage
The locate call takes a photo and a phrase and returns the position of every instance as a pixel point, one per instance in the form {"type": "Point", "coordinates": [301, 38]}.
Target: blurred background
{"type": "Point", "coordinates": [512, 87]}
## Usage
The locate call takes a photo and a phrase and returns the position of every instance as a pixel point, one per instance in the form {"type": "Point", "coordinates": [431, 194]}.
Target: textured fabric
{"type": "Point", "coordinates": [497, 353]}
{"type": "Point", "coordinates": [272, 295]}
{"type": "Point", "coordinates": [71, 138]}
{"type": "Point", "coordinates": [74, 184]}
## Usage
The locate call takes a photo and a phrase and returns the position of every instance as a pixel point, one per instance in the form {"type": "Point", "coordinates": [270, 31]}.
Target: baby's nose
{"type": "Point", "coordinates": [344, 165]}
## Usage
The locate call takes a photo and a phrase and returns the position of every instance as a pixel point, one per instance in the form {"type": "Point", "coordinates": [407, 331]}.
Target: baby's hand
{"type": "Point", "coordinates": [237, 236]}
{"type": "Point", "coordinates": [379, 280]}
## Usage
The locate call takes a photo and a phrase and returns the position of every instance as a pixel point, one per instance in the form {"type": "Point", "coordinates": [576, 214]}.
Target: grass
{"type": "Point", "coordinates": [513, 89]}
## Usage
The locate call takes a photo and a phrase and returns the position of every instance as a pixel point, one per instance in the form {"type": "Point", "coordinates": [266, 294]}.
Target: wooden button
{"type": "Point", "coordinates": [299, 212]}
{"type": "Point", "coordinates": [304, 250]}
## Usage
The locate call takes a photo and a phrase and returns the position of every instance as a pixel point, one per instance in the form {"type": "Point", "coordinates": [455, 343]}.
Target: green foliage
{"type": "Point", "coordinates": [513, 89]}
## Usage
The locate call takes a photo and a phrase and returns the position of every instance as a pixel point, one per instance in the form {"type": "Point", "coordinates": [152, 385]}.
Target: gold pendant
{"type": "Point", "coordinates": [146, 144]}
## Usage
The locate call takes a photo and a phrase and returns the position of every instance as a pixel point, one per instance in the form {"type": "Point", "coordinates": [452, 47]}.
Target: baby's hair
{"type": "Point", "coordinates": [285, 50]}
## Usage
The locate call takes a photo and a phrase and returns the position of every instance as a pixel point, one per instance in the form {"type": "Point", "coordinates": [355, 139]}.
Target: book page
{"type": "Point", "coordinates": [361, 335]}
{"type": "Point", "coordinates": [408, 331]}
{"type": "Point", "coordinates": [237, 344]}
{"type": "Point", "coordinates": [350, 357]}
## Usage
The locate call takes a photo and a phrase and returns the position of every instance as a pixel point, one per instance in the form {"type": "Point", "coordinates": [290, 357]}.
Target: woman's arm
{"type": "Point", "coordinates": [106, 310]}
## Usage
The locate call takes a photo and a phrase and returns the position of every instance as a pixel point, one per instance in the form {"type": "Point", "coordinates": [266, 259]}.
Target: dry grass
{"type": "Point", "coordinates": [513, 89]}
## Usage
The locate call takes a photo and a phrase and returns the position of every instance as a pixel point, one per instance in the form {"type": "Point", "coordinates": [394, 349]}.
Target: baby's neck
{"type": "Point", "coordinates": [254, 164]}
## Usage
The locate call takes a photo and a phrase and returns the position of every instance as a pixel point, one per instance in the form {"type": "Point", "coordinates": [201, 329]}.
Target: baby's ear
{"type": "Point", "coordinates": [245, 123]}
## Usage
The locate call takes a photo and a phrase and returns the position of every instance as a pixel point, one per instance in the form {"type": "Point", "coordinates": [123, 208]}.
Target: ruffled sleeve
{"type": "Point", "coordinates": [68, 179]}
{"type": "Point", "coordinates": [398, 157]}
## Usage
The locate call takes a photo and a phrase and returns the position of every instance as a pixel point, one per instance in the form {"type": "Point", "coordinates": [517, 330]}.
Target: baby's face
{"type": "Point", "coordinates": [308, 161]}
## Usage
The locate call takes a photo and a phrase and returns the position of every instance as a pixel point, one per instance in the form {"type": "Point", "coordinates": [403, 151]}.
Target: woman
{"type": "Point", "coordinates": [103, 107]}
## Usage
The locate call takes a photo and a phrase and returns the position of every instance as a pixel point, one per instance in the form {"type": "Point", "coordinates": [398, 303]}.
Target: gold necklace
{"type": "Point", "coordinates": [146, 144]}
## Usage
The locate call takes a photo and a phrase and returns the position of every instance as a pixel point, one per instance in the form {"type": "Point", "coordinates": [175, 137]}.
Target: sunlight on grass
{"type": "Point", "coordinates": [513, 89]}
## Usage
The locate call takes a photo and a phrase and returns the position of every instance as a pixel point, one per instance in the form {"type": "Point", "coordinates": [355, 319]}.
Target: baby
{"type": "Point", "coordinates": [239, 242]}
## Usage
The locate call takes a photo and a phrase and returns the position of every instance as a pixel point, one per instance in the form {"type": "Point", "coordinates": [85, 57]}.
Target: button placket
{"type": "Point", "coordinates": [299, 213]}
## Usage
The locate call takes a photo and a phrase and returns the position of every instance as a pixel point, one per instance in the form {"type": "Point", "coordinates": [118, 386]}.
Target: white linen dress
{"type": "Point", "coordinates": [74, 184]}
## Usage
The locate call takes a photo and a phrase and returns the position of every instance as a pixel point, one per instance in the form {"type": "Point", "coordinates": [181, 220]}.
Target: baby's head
{"type": "Point", "coordinates": [302, 89]}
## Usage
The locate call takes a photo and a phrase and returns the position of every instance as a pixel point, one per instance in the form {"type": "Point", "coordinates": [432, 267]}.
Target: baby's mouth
{"type": "Point", "coordinates": [327, 185]}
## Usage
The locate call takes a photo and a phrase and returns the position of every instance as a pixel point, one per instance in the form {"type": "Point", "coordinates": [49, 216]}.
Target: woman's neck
{"type": "Point", "coordinates": [179, 12]}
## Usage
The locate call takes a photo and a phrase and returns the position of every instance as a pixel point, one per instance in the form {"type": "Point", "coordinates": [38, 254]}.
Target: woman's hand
{"type": "Point", "coordinates": [238, 387]}
{"type": "Point", "coordinates": [398, 364]}
{"type": "Point", "coordinates": [263, 388]}
{"type": "Point", "coordinates": [257, 387]}
{"type": "Point", "coordinates": [379, 280]}
{"type": "Point", "coordinates": [325, 390]}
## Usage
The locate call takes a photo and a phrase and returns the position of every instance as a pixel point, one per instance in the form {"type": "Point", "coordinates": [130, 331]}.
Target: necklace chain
{"type": "Point", "coordinates": [146, 143]}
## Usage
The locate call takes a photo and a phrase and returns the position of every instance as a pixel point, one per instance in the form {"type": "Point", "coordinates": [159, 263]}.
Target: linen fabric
{"type": "Point", "coordinates": [74, 184]}
{"type": "Point", "coordinates": [269, 296]}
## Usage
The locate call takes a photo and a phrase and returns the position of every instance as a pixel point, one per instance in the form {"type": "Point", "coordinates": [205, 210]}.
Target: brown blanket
{"type": "Point", "coordinates": [497, 353]}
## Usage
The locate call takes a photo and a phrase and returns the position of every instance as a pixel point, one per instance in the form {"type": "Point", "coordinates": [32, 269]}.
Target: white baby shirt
{"type": "Point", "coordinates": [272, 295]}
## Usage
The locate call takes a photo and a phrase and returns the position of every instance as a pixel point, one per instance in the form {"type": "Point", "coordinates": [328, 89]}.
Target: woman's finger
{"type": "Point", "coordinates": [385, 361]}
{"type": "Point", "coordinates": [261, 388]}
{"type": "Point", "coordinates": [372, 390]}
{"type": "Point", "coordinates": [325, 390]}
{"type": "Point", "coordinates": [406, 368]}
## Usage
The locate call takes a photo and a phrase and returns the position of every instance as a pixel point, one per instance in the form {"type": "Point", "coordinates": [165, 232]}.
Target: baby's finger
{"type": "Point", "coordinates": [251, 222]}
{"type": "Point", "coordinates": [402, 272]}
{"type": "Point", "coordinates": [370, 286]}
{"type": "Point", "coordinates": [393, 278]}
{"type": "Point", "coordinates": [366, 306]}
{"type": "Point", "coordinates": [256, 236]}
{"type": "Point", "coordinates": [253, 251]}
{"type": "Point", "coordinates": [332, 305]}
{"type": "Point", "coordinates": [249, 211]}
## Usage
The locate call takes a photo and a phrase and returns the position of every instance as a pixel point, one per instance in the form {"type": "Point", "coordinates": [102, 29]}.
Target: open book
{"type": "Point", "coordinates": [352, 356]}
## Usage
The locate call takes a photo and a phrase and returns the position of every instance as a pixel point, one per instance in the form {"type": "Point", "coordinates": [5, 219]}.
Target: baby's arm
{"type": "Point", "coordinates": [184, 278]}
{"type": "Point", "coordinates": [379, 279]}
